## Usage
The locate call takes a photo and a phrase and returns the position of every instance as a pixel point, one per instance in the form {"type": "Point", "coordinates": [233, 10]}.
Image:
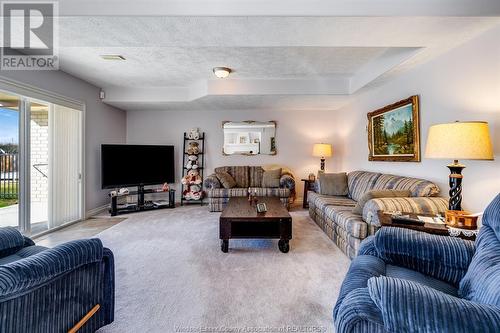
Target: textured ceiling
{"type": "Point", "coordinates": [271, 56]}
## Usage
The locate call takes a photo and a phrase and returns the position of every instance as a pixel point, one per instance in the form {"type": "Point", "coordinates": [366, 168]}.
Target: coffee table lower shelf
{"type": "Point", "coordinates": [237, 229]}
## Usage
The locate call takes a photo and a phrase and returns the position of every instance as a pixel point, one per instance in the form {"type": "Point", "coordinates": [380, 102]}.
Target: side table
{"type": "Point", "coordinates": [308, 186]}
{"type": "Point", "coordinates": [432, 228]}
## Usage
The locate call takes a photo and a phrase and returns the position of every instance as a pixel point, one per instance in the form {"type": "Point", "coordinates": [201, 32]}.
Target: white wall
{"type": "Point", "coordinates": [296, 133]}
{"type": "Point", "coordinates": [463, 84]}
{"type": "Point", "coordinates": [103, 123]}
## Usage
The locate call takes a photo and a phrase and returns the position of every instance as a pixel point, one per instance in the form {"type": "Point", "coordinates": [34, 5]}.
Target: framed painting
{"type": "Point", "coordinates": [394, 132]}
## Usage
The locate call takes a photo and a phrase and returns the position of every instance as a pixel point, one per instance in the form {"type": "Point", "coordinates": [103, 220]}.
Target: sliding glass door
{"type": "Point", "coordinates": [40, 164]}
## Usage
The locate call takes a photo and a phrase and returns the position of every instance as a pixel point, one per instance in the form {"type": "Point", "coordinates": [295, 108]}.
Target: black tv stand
{"type": "Point", "coordinates": [141, 205]}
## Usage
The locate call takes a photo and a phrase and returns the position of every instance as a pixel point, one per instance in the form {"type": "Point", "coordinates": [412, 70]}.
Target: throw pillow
{"type": "Point", "coordinates": [271, 178]}
{"type": "Point", "coordinates": [333, 183]}
{"type": "Point", "coordinates": [374, 194]}
{"type": "Point", "coordinates": [226, 179]}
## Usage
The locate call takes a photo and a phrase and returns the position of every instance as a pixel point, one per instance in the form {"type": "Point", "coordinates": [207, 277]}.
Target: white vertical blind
{"type": "Point", "coordinates": [65, 136]}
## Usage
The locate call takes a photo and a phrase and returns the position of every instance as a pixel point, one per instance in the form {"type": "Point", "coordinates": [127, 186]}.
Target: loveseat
{"type": "Point", "coordinates": [51, 289]}
{"type": "Point", "coordinates": [334, 214]}
{"type": "Point", "coordinates": [248, 178]}
{"type": "Point", "coordinates": [409, 281]}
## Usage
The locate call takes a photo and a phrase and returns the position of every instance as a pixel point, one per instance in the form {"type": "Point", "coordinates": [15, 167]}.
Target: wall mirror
{"type": "Point", "coordinates": [249, 138]}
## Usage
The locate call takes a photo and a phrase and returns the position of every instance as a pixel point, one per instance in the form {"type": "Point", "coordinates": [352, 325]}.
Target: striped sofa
{"type": "Point", "coordinates": [409, 281]}
{"type": "Point", "coordinates": [49, 290]}
{"type": "Point", "coordinates": [334, 214]}
{"type": "Point", "coordinates": [248, 178]}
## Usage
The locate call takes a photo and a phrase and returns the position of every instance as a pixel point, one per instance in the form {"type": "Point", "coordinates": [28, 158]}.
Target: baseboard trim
{"type": "Point", "coordinates": [96, 211]}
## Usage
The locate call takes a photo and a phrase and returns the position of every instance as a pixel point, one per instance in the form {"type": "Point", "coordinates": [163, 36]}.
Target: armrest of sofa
{"type": "Point", "coordinates": [443, 257]}
{"type": "Point", "coordinates": [408, 306]}
{"type": "Point", "coordinates": [212, 182]}
{"type": "Point", "coordinates": [42, 267]}
{"type": "Point", "coordinates": [428, 205]}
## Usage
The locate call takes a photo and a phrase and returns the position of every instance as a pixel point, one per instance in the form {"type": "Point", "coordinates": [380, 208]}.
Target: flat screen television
{"type": "Point", "coordinates": [136, 165]}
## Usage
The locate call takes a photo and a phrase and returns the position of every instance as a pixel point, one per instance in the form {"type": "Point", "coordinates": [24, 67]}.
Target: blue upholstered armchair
{"type": "Point", "coordinates": [51, 290]}
{"type": "Point", "coordinates": [409, 281]}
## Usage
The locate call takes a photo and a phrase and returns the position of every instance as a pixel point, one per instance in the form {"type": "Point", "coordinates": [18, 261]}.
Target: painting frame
{"type": "Point", "coordinates": [413, 125]}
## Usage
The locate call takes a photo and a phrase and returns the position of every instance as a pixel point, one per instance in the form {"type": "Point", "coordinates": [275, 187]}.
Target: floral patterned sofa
{"type": "Point", "coordinates": [334, 214]}
{"type": "Point", "coordinates": [248, 178]}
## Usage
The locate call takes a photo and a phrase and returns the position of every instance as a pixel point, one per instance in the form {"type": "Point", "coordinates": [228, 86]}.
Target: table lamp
{"type": "Point", "coordinates": [469, 140]}
{"type": "Point", "coordinates": [322, 150]}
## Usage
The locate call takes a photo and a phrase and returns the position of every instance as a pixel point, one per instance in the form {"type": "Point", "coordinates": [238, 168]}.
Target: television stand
{"type": "Point", "coordinates": [141, 204]}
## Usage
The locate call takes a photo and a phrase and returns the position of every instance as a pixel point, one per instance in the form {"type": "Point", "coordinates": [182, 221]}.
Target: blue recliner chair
{"type": "Point", "coordinates": [409, 281]}
{"type": "Point", "coordinates": [51, 290]}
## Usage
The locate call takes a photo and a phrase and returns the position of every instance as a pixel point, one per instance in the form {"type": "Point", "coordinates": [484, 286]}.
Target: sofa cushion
{"type": "Point", "coordinates": [373, 194]}
{"type": "Point", "coordinates": [418, 187]}
{"type": "Point", "coordinates": [226, 179]}
{"type": "Point", "coordinates": [239, 173]}
{"type": "Point", "coordinates": [255, 174]}
{"type": "Point", "coordinates": [227, 192]}
{"type": "Point", "coordinates": [333, 183]}
{"type": "Point", "coordinates": [322, 201]}
{"type": "Point", "coordinates": [11, 241]}
{"type": "Point", "coordinates": [318, 200]}
{"type": "Point", "coordinates": [271, 178]}
{"type": "Point", "coordinates": [347, 220]}
{"type": "Point", "coordinates": [21, 254]}
{"type": "Point", "coordinates": [426, 280]}
{"type": "Point", "coordinates": [482, 280]}
{"type": "Point", "coordinates": [270, 192]}
{"type": "Point", "coordinates": [360, 182]}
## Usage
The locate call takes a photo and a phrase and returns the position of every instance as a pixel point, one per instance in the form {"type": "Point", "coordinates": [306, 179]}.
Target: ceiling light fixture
{"type": "Point", "coordinates": [222, 72]}
{"type": "Point", "coordinates": [112, 57]}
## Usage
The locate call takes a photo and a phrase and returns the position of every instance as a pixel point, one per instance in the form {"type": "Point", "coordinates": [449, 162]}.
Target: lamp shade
{"type": "Point", "coordinates": [322, 150]}
{"type": "Point", "coordinates": [459, 140]}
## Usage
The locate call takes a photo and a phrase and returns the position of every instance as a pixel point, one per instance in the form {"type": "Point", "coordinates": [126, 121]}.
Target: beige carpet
{"type": "Point", "coordinates": [172, 277]}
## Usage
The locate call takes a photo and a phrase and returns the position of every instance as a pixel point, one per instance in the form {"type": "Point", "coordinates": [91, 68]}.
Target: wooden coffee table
{"type": "Point", "coordinates": [241, 220]}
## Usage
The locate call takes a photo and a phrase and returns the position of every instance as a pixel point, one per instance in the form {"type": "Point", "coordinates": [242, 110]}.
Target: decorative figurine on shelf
{"type": "Point", "coordinates": [194, 134]}
{"type": "Point", "coordinates": [252, 197]}
{"type": "Point", "coordinates": [195, 192]}
{"type": "Point", "coordinates": [165, 187]}
{"type": "Point", "coordinates": [192, 162]}
{"type": "Point", "coordinates": [192, 182]}
{"type": "Point", "coordinates": [123, 191]}
{"type": "Point", "coordinates": [193, 148]}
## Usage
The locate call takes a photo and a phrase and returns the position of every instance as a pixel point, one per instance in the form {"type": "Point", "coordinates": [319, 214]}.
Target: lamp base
{"type": "Point", "coordinates": [455, 182]}
{"type": "Point", "coordinates": [322, 165]}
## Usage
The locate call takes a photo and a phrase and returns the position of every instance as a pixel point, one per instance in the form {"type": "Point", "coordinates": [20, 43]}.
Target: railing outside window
{"type": "Point", "coordinates": [9, 176]}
